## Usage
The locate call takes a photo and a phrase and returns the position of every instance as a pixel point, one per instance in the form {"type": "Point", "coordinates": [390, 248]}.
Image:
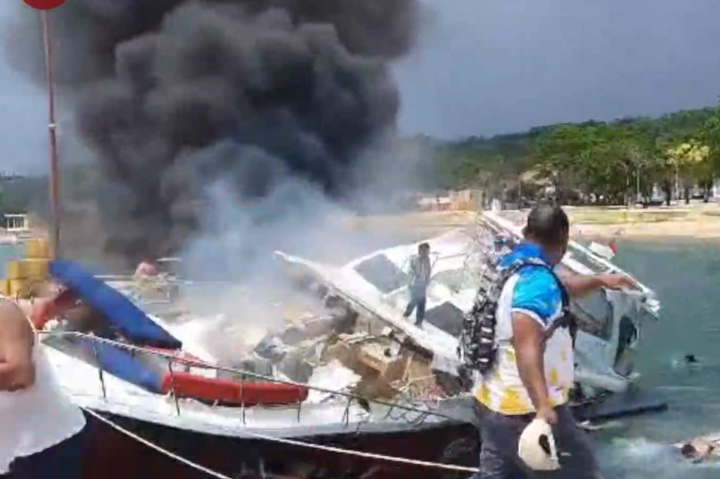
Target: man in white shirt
{"type": "Point", "coordinates": [41, 430]}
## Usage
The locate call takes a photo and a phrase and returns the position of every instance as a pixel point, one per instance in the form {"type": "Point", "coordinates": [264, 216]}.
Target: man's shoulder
{"type": "Point", "coordinates": [9, 310]}
{"type": "Point", "coordinates": [536, 290]}
{"type": "Point", "coordinates": [12, 316]}
{"type": "Point", "coordinates": [537, 278]}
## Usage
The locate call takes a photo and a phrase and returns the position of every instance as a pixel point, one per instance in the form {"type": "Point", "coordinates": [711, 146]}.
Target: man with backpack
{"type": "Point", "coordinates": [522, 400]}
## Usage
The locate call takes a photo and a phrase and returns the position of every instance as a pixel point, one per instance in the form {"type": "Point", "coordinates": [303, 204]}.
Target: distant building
{"type": "Point", "coordinates": [17, 223]}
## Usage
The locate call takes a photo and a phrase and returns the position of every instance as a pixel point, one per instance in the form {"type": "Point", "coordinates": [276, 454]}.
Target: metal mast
{"type": "Point", "coordinates": [52, 129]}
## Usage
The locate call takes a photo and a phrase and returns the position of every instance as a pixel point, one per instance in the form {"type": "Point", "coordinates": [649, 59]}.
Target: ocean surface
{"type": "Point", "coordinates": [686, 276]}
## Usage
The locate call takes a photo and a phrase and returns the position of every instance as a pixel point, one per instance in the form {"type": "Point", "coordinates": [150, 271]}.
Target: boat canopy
{"type": "Point", "coordinates": [130, 320]}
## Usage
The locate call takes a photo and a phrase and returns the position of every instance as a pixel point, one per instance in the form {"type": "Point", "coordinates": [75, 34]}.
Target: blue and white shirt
{"type": "Point", "coordinates": [535, 292]}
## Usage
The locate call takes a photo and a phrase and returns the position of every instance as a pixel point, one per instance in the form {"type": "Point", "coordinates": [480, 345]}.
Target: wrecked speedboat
{"type": "Point", "coordinates": [377, 284]}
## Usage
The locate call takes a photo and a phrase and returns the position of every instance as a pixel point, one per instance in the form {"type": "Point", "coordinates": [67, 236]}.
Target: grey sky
{"type": "Point", "coordinates": [23, 113]}
{"type": "Point", "coordinates": [493, 66]}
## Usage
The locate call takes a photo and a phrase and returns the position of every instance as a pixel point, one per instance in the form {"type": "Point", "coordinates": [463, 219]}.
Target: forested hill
{"type": "Point", "coordinates": [604, 158]}
{"type": "Point", "coordinates": [608, 159]}
{"type": "Point", "coordinates": [19, 194]}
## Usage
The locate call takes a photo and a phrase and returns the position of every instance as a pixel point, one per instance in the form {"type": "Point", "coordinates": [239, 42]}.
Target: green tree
{"type": "Point", "coordinates": [561, 156]}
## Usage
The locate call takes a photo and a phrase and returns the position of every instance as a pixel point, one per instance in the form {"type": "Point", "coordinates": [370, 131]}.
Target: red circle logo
{"type": "Point", "coordinates": [44, 4]}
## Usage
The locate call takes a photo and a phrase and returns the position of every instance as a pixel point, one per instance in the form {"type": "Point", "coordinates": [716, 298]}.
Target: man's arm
{"type": "Point", "coordinates": [579, 285]}
{"type": "Point", "coordinates": [17, 370]}
{"type": "Point", "coordinates": [529, 343]}
{"type": "Point", "coordinates": [535, 302]}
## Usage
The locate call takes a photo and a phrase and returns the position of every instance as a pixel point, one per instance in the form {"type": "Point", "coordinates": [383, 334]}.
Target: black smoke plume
{"type": "Point", "coordinates": [173, 96]}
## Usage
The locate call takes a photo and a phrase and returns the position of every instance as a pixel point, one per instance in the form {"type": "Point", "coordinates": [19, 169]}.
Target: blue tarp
{"type": "Point", "coordinates": [130, 320]}
{"type": "Point", "coordinates": [125, 365]}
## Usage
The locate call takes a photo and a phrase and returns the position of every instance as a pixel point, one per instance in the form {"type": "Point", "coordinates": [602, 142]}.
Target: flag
{"type": "Point", "coordinates": [612, 244]}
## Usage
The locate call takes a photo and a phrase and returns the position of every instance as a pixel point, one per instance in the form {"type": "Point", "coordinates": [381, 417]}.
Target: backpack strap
{"type": "Point", "coordinates": [567, 319]}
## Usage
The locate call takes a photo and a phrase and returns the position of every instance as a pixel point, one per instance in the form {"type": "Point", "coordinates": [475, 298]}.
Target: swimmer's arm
{"type": "Point", "coordinates": [17, 370]}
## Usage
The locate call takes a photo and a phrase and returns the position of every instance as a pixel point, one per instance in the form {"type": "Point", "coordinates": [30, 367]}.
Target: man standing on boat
{"type": "Point", "coordinates": [40, 429]}
{"type": "Point", "coordinates": [524, 395]}
{"type": "Point", "coordinates": [420, 269]}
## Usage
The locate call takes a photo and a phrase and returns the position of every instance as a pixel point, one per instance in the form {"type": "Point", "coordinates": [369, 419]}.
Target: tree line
{"type": "Point", "coordinates": [615, 162]}
{"type": "Point", "coordinates": [19, 194]}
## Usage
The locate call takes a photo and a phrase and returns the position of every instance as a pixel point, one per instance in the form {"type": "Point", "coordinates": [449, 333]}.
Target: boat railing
{"type": "Point", "coordinates": [395, 411]}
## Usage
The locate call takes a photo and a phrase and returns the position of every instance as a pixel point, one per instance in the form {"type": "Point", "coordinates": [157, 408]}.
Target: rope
{"type": "Point", "coordinates": [151, 445]}
{"type": "Point", "coordinates": [290, 442]}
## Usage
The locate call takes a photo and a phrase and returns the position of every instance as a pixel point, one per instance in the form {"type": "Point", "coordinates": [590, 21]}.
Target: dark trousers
{"type": "Point", "coordinates": [500, 435]}
{"type": "Point", "coordinates": [417, 300]}
{"type": "Point", "coordinates": [62, 461]}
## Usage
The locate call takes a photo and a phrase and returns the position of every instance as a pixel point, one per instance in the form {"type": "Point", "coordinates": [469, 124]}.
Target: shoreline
{"type": "Point", "coordinates": [586, 224]}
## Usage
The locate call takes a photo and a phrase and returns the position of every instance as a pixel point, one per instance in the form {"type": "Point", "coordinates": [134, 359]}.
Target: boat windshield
{"type": "Point", "coordinates": [446, 317]}
{"type": "Point", "coordinates": [456, 280]}
{"type": "Point", "coordinates": [382, 273]}
{"type": "Point", "coordinates": [596, 314]}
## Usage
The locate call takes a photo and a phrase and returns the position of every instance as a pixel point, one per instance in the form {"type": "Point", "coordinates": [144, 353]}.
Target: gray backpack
{"type": "Point", "coordinates": [477, 347]}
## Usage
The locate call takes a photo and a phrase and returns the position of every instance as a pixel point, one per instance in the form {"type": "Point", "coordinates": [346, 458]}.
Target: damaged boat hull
{"type": "Point", "coordinates": [451, 442]}
{"type": "Point", "coordinates": [448, 443]}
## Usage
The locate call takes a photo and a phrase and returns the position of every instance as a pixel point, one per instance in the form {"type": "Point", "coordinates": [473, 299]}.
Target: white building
{"type": "Point", "coordinates": [17, 223]}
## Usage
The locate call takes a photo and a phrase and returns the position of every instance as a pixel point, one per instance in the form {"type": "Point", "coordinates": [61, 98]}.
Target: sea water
{"type": "Point", "coordinates": [686, 276]}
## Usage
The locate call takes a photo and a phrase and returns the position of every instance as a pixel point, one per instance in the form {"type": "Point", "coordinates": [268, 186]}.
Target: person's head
{"type": "Point", "coordinates": [549, 227]}
{"type": "Point", "coordinates": [697, 450]}
{"type": "Point", "coordinates": [688, 451]}
{"type": "Point", "coordinates": [424, 249]}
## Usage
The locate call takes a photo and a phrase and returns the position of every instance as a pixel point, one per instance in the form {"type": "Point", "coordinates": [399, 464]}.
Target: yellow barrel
{"type": "Point", "coordinates": [5, 287]}
{"type": "Point", "coordinates": [38, 269]}
{"type": "Point", "coordinates": [37, 248]}
{"type": "Point", "coordinates": [17, 288]}
{"type": "Point", "coordinates": [16, 270]}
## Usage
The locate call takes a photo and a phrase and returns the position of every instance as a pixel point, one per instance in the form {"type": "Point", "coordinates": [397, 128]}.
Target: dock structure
{"type": "Point", "coordinates": [24, 277]}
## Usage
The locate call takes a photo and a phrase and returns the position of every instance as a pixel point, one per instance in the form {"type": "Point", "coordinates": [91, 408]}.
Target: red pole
{"type": "Point", "coordinates": [52, 127]}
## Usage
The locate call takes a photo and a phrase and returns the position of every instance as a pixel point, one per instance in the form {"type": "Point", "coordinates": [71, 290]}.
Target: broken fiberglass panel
{"type": "Point", "coordinates": [456, 280]}
{"type": "Point", "coordinates": [382, 273]}
{"type": "Point", "coordinates": [447, 317]}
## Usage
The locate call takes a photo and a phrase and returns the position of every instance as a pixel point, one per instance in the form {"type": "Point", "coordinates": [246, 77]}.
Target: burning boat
{"type": "Point", "coordinates": [610, 321]}
{"type": "Point", "coordinates": [350, 388]}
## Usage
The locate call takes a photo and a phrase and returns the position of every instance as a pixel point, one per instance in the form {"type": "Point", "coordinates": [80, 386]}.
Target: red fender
{"type": "Point", "coordinates": [232, 392]}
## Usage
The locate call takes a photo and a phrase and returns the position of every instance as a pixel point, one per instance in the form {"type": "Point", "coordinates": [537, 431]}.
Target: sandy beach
{"type": "Point", "coordinates": [696, 221]}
